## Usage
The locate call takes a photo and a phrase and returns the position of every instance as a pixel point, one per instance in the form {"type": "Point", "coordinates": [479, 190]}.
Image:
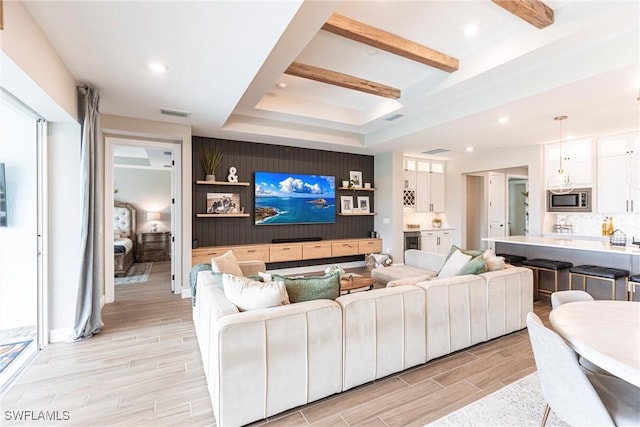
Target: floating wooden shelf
{"type": "Point", "coordinates": [243, 184]}
{"type": "Point", "coordinates": [206, 215]}
{"type": "Point", "coordinates": [357, 214]}
{"type": "Point", "coordinates": [356, 189]}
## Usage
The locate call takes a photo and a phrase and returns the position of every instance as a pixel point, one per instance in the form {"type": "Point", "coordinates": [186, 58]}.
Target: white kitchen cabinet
{"type": "Point", "coordinates": [577, 161]}
{"type": "Point", "coordinates": [619, 174]}
{"type": "Point", "coordinates": [429, 184]}
{"type": "Point", "coordinates": [439, 241]}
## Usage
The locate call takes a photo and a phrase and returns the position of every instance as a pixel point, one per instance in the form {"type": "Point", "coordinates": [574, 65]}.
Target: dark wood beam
{"type": "Point", "coordinates": [534, 12]}
{"type": "Point", "coordinates": [383, 40]}
{"type": "Point", "coordinates": [343, 80]}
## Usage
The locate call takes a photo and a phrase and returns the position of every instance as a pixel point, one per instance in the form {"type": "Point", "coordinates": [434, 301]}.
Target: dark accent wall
{"type": "Point", "coordinates": [247, 158]}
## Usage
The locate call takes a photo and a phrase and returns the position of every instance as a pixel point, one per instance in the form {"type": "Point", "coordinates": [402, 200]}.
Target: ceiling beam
{"type": "Point", "coordinates": [343, 80]}
{"type": "Point", "coordinates": [380, 39]}
{"type": "Point", "coordinates": [534, 12]}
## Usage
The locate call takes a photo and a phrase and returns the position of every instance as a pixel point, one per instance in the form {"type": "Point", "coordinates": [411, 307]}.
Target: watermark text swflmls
{"type": "Point", "coordinates": [29, 415]}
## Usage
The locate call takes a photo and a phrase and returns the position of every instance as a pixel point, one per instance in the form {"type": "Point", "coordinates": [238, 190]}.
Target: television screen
{"type": "Point", "coordinates": [288, 198]}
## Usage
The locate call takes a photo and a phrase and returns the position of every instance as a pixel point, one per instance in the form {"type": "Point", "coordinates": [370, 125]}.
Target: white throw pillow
{"type": "Point", "coordinates": [226, 263]}
{"type": "Point", "coordinates": [488, 254]}
{"type": "Point", "coordinates": [249, 294]}
{"type": "Point", "coordinates": [454, 264]}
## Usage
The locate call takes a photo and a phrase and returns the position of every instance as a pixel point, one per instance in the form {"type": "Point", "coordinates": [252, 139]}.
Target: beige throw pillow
{"type": "Point", "coordinates": [495, 263]}
{"type": "Point", "coordinates": [249, 294]}
{"type": "Point", "coordinates": [454, 264]}
{"type": "Point", "coordinates": [226, 263]}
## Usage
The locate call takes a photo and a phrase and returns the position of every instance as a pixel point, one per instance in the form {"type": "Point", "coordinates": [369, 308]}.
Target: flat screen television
{"type": "Point", "coordinates": [293, 198]}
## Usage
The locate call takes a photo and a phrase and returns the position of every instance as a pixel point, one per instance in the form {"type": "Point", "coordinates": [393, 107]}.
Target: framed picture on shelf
{"type": "Point", "coordinates": [363, 204]}
{"type": "Point", "coordinates": [223, 203]}
{"type": "Point", "coordinates": [356, 178]}
{"type": "Point", "coordinates": [346, 204]}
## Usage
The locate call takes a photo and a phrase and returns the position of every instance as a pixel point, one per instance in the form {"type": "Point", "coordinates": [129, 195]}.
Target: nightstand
{"type": "Point", "coordinates": [153, 246]}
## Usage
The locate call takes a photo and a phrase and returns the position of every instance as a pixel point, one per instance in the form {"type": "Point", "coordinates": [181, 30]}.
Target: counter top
{"type": "Point", "coordinates": [426, 229]}
{"type": "Point", "coordinates": [568, 243]}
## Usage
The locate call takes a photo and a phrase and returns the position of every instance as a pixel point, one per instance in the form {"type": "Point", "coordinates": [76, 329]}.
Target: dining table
{"type": "Point", "coordinates": [606, 333]}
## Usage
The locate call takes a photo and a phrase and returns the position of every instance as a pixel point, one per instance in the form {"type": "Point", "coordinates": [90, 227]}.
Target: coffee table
{"type": "Point", "coordinates": [349, 283]}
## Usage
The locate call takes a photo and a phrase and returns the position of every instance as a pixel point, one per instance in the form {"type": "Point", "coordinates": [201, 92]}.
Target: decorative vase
{"type": "Point", "coordinates": [209, 177]}
{"type": "Point", "coordinates": [345, 184]}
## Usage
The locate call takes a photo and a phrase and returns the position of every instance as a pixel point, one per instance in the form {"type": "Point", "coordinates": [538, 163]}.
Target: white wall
{"type": "Point", "coordinates": [149, 190]}
{"type": "Point", "coordinates": [64, 232]}
{"type": "Point", "coordinates": [517, 157]}
{"type": "Point", "coordinates": [388, 181]}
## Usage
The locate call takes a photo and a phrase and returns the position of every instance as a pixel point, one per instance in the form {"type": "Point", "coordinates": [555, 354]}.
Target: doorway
{"type": "Point", "coordinates": [518, 206]}
{"type": "Point", "coordinates": [145, 174]}
{"type": "Point", "coordinates": [23, 234]}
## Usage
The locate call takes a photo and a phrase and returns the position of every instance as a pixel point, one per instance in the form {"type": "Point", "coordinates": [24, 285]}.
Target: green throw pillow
{"type": "Point", "coordinates": [473, 252]}
{"type": "Point", "coordinates": [309, 288]}
{"type": "Point", "coordinates": [474, 266]}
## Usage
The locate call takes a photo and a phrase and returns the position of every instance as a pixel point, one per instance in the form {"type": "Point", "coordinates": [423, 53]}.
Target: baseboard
{"type": "Point", "coordinates": [60, 335]}
{"type": "Point", "coordinates": [186, 292]}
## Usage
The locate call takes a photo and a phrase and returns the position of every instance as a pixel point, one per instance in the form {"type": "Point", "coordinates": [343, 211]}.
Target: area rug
{"type": "Point", "coordinates": [137, 273]}
{"type": "Point", "coordinates": [9, 352]}
{"type": "Point", "coordinates": [518, 404]}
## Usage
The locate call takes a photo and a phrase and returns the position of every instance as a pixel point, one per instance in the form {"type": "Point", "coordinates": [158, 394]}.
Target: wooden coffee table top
{"type": "Point", "coordinates": [348, 283]}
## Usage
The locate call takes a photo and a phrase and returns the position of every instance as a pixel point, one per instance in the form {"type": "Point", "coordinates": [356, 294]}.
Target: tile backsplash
{"type": "Point", "coordinates": [410, 216]}
{"type": "Point", "coordinates": [591, 224]}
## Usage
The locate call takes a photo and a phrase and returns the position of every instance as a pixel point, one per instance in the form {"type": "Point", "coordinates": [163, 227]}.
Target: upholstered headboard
{"type": "Point", "coordinates": [124, 218]}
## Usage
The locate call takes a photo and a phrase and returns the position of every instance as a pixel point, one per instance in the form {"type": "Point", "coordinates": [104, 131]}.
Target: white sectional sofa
{"type": "Point", "coordinates": [262, 362]}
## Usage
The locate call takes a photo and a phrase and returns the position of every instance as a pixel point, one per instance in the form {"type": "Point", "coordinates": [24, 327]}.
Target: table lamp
{"type": "Point", "coordinates": [153, 216]}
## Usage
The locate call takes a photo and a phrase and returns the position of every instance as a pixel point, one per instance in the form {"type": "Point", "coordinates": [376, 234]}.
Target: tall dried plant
{"type": "Point", "coordinates": [211, 158]}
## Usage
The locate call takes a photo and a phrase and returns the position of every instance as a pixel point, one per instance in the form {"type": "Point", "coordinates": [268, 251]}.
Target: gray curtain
{"type": "Point", "coordinates": [88, 320]}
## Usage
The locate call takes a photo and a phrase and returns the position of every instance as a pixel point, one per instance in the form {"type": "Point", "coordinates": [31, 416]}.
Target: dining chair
{"type": "Point", "coordinates": [563, 297]}
{"type": "Point", "coordinates": [578, 397]}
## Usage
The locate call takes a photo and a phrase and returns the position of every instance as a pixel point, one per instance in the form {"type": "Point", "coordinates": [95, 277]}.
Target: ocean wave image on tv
{"type": "Point", "coordinates": [285, 198]}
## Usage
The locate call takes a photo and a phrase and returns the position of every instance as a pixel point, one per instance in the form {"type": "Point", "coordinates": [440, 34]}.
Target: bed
{"type": "Point", "coordinates": [124, 229]}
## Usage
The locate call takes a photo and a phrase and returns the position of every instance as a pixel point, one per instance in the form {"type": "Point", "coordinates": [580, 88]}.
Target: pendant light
{"type": "Point", "coordinates": [560, 183]}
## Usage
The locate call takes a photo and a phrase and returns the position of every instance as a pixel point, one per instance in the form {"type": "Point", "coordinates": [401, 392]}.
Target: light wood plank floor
{"type": "Point", "coordinates": [144, 369]}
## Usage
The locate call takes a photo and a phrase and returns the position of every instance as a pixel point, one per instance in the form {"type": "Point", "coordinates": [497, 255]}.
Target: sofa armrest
{"type": "Point", "coordinates": [252, 267]}
{"type": "Point", "coordinates": [426, 260]}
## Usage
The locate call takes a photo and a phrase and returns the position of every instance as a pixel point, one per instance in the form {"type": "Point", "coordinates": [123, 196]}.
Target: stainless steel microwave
{"type": "Point", "coordinates": [578, 200]}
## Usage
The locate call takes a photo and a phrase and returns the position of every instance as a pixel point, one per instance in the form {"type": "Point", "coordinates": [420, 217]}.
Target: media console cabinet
{"type": "Point", "coordinates": [283, 252]}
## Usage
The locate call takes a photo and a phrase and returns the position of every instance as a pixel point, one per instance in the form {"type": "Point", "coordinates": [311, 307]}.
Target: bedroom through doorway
{"type": "Point", "coordinates": [143, 185]}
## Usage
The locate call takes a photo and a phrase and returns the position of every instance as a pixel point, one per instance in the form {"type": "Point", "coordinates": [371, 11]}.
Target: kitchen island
{"type": "Point", "coordinates": [577, 252]}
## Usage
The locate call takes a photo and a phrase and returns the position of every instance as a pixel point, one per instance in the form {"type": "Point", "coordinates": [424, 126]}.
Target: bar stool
{"type": "Point", "coordinates": [610, 275]}
{"type": "Point", "coordinates": [512, 259]}
{"type": "Point", "coordinates": [633, 282]}
{"type": "Point", "coordinates": [540, 264]}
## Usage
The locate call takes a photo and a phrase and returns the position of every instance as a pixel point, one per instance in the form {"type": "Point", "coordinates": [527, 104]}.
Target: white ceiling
{"type": "Point", "coordinates": [226, 58]}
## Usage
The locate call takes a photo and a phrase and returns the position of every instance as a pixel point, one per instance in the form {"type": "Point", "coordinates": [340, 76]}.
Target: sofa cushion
{"type": "Point", "coordinates": [476, 265]}
{"type": "Point", "coordinates": [408, 281]}
{"type": "Point", "coordinates": [249, 294]}
{"type": "Point", "coordinates": [454, 264]}
{"type": "Point", "coordinates": [311, 288]}
{"type": "Point", "coordinates": [226, 263]}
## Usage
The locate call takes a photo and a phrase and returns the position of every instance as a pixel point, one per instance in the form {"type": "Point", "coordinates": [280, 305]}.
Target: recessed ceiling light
{"type": "Point", "coordinates": [373, 52]}
{"type": "Point", "coordinates": [469, 149]}
{"type": "Point", "coordinates": [502, 120]}
{"type": "Point", "coordinates": [281, 85]}
{"type": "Point", "coordinates": [471, 30]}
{"type": "Point", "coordinates": [158, 67]}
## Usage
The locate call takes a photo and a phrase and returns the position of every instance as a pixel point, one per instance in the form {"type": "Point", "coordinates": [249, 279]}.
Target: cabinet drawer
{"type": "Point", "coordinates": [445, 233]}
{"type": "Point", "coordinates": [204, 255]}
{"type": "Point", "coordinates": [285, 253]}
{"type": "Point", "coordinates": [316, 250]}
{"type": "Point", "coordinates": [260, 253]}
{"type": "Point", "coordinates": [369, 246]}
{"type": "Point", "coordinates": [344, 248]}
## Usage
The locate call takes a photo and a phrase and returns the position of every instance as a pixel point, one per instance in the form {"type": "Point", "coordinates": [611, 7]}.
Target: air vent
{"type": "Point", "coordinates": [393, 117]}
{"type": "Point", "coordinates": [175, 113]}
{"type": "Point", "coordinates": [436, 151]}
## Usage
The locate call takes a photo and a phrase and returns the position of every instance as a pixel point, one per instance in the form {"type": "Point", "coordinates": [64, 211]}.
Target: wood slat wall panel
{"type": "Point", "coordinates": [250, 157]}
